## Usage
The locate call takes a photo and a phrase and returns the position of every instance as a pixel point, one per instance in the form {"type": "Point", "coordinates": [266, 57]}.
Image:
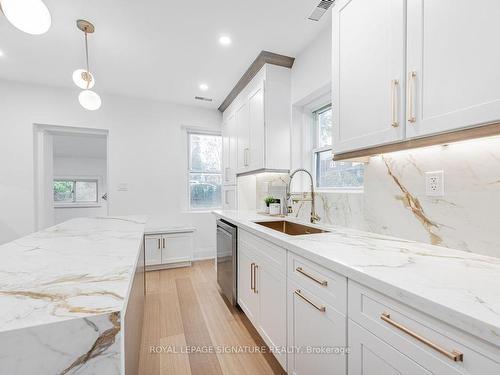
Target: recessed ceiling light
{"type": "Point", "coordinates": [203, 86]}
{"type": "Point", "coordinates": [225, 40]}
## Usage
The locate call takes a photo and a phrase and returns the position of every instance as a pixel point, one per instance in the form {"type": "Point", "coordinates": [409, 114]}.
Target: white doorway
{"type": "Point", "coordinates": [71, 174]}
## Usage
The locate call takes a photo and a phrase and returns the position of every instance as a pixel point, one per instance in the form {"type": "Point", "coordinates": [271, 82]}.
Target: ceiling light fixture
{"type": "Point", "coordinates": [203, 86]}
{"type": "Point", "coordinates": [225, 40]}
{"type": "Point", "coordinates": [88, 99]}
{"type": "Point", "coordinates": [30, 16]}
{"type": "Point", "coordinates": [1, 53]}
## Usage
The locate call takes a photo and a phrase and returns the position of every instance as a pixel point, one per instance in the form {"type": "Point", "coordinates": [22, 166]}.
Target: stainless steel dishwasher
{"type": "Point", "coordinates": [227, 260]}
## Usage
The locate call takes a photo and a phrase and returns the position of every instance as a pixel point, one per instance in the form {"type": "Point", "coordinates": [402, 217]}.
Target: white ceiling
{"type": "Point", "coordinates": [158, 49]}
{"type": "Point", "coordinates": [80, 146]}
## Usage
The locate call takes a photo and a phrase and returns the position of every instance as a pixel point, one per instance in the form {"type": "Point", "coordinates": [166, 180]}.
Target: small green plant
{"type": "Point", "coordinates": [269, 200]}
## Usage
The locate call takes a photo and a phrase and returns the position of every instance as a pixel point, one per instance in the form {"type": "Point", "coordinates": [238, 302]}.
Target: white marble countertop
{"type": "Point", "coordinates": [80, 268]}
{"type": "Point", "coordinates": [457, 287]}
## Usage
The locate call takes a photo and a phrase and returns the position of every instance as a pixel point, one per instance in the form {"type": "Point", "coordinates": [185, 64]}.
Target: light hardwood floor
{"type": "Point", "coordinates": [184, 309]}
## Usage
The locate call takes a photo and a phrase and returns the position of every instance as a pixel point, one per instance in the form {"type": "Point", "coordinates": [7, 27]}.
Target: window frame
{"type": "Point", "coordinates": [316, 151]}
{"type": "Point", "coordinates": [74, 180]}
{"type": "Point", "coordinates": [207, 132]}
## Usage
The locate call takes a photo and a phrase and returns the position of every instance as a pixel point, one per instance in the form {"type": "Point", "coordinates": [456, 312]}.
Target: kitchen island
{"type": "Point", "coordinates": [71, 298]}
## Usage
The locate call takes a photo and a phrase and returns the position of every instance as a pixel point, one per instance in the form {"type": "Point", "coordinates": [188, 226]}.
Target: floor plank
{"type": "Point", "coordinates": [184, 308]}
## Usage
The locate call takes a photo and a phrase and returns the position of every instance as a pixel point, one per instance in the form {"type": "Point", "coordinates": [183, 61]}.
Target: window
{"type": "Point", "coordinates": [339, 175]}
{"type": "Point", "coordinates": [205, 170]}
{"type": "Point", "coordinates": [75, 191]}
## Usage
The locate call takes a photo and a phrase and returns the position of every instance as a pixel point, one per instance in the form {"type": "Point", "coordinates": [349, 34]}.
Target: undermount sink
{"type": "Point", "coordinates": [290, 228]}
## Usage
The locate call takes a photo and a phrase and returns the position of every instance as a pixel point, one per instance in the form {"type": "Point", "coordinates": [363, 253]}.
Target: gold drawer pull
{"type": "Point", "coordinates": [320, 282]}
{"type": "Point", "coordinates": [252, 277]}
{"type": "Point", "coordinates": [454, 355]}
{"type": "Point", "coordinates": [317, 307]}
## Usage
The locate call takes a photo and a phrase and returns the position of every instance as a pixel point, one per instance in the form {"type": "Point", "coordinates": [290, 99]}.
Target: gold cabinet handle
{"type": "Point", "coordinates": [163, 242]}
{"type": "Point", "coordinates": [320, 282]}
{"type": "Point", "coordinates": [394, 104]}
{"type": "Point", "coordinates": [317, 307]}
{"type": "Point", "coordinates": [245, 157]}
{"type": "Point", "coordinates": [252, 276]}
{"type": "Point", "coordinates": [453, 355]}
{"type": "Point", "coordinates": [255, 268]}
{"type": "Point", "coordinates": [411, 82]}
{"type": "Point", "coordinates": [159, 243]}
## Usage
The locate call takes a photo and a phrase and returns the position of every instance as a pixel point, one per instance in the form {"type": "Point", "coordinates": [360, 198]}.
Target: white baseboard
{"type": "Point", "coordinates": [202, 254]}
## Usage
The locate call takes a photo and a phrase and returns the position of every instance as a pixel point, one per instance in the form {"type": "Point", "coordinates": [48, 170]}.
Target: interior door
{"type": "Point", "coordinates": [153, 248]}
{"type": "Point", "coordinates": [368, 73]}
{"type": "Point", "coordinates": [257, 127]}
{"type": "Point", "coordinates": [452, 50]}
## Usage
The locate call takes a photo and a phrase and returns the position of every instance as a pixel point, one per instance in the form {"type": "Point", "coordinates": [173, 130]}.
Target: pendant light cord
{"type": "Point", "coordinates": [87, 60]}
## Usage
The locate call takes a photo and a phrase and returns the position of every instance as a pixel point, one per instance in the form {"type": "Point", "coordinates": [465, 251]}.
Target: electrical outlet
{"type": "Point", "coordinates": [434, 184]}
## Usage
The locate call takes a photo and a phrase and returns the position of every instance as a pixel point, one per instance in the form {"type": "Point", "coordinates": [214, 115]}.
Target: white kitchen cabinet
{"type": "Point", "coordinates": [368, 73]}
{"type": "Point", "coordinates": [152, 249]}
{"type": "Point", "coordinates": [405, 69]}
{"type": "Point", "coordinates": [229, 197]}
{"type": "Point", "coordinates": [371, 356]}
{"type": "Point", "coordinates": [314, 325]}
{"type": "Point", "coordinates": [169, 249]}
{"type": "Point", "coordinates": [262, 289]}
{"type": "Point", "coordinates": [230, 150]}
{"type": "Point", "coordinates": [451, 49]}
{"type": "Point", "coordinates": [262, 117]}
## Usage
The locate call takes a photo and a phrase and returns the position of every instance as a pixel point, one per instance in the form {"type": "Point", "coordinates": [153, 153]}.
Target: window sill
{"type": "Point", "coordinates": [78, 205]}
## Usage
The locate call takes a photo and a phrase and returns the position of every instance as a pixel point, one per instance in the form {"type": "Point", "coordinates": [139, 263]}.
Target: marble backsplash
{"type": "Point", "coordinates": [394, 201]}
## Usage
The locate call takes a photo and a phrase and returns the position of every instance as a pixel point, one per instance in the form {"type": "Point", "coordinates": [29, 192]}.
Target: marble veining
{"type": "Point", "coordinates": [458, 287]}
{"type": "Point", "coordinates": [63, 291]}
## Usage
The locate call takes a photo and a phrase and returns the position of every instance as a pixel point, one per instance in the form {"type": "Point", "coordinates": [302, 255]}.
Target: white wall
{"type": "Point", "coordinates": [81, 167]}
{"type": "Point", "coordinates": [145, 144]}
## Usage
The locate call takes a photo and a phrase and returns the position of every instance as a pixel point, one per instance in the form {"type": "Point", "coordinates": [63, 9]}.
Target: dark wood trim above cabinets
{"type": "Point", "coordinates": [483, 131]}
{"type": "Point", "coordinates": [264, 57]}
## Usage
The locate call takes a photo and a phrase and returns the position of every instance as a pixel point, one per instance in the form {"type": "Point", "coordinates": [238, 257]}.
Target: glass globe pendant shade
{"type": "Point", "coordinates": [89, 100]}
{"type": "Point", "coordinates": [30, 16]}
{"type": "Point", "coordinates": [80, 79]}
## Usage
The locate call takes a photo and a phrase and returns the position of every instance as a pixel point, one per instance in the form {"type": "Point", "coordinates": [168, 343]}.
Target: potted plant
{"type": "Point", "coordinates": [268, 201]}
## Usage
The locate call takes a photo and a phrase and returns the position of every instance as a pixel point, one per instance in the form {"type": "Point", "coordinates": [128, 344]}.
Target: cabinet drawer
{"type": "Point", "coordinates": [427, 341]}
{"type": "Point", "coordinates": [271, 254]}
{"type": "Point", "coordinates": [328, 285]}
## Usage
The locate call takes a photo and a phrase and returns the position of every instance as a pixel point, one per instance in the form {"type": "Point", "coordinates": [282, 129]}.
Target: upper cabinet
{"type": "Point", "coordinates": [368, 68]}
{"type": "Point", "coordinates": [260, 118]}
{"type": "Point", "coordinates": [406, 69]}
{"type": "Point", "coordinates": [452, 65]}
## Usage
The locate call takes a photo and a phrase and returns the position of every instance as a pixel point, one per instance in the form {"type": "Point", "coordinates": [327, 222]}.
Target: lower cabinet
{"type": "Point", "coordinates": [168, 249]}
{"type": "Point", "coordinates": [262, 291]}
{"type": "Point", "coordinates": [316, 335]}
{"type": "Point", "coordinates": [371, 356]}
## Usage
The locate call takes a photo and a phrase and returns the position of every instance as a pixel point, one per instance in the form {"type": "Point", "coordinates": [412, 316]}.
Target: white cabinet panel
{"type": "Point", "coordinates": [177, 248]}
{"type": "Point", "coordinates": [230, 150]}
{"type": "Point", "coordinates": [247, 297]}
{"type": "Point", "coordinates": [243, 142]}
{"type": "Point", "coordinates": [309, 327]}
{"type": "Point", "coordinates": [452, 49]}
{"type": "Point", "coordinates": [152, 250]}
{"type": "Point", "coordinates": [371, 356]}
{"type": "Point", "coordinates": [271, 287]}
{"type": "Point", "coordinates": [368, 60]}
{"type": "Point", "coordinates": [229, 198]}
{"type": "Point", "coordinates": [257, 127]}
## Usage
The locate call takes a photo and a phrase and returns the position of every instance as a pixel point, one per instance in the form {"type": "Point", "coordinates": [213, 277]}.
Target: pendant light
{"type": "Point", "coordinates": [88, 99]}
{"type": "Point", "coordinates": [30, 16]}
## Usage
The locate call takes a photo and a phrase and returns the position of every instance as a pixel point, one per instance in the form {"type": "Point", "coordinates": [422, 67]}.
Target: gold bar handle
{"type": "Point", "coordinates": [246, 156]}
{"type": "Point", "coordinates": [163, 242]}
{"type": "Point", "coordinates": [320, 282]}
{"type": "Point", "coordinates": [394, 104]}
{"type": "Point", "coordinates": [317, 307]}
{"type": "Point", "coordinates": [255, 268]}
{"type": "Point", "coordinates": [159, 243]}
{"type": "Point", "coordinates": [252, 276]}
{"type": "Point", "coordinates": [453, 355]}
{"type": "Point", "coordinates": [411, 82]}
